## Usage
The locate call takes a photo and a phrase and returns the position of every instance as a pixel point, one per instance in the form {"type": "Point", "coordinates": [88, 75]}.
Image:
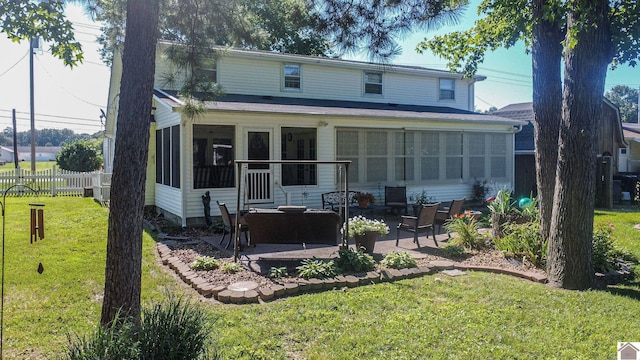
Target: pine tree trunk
{"type": "Point", "coordinates": [124, 244]}
{"type": "Point", "coordinates": [569, 262]}
{"type": "Point", "coordinates": [547, 105]}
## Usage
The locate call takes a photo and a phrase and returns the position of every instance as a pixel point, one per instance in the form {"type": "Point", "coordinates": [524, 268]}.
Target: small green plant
{"type": "Point", "coordinates": [421, 198]}
{"type": "Point", "coordinates": [398, 260]}
{"type": "Point", "coordinates": [205, 263]}
{"type": "Point", "coordinates": [453, 250]}
{"type": "Point", "coordinates": [316, 269]}
{"type": "Point", "coordinates": [277, 272]}
{"type": "Point", "coordinates": [466, 227]}
{"type": "Point", "coordinates": [481, 188]}
{"type": "Point", "coordinates": [502, 204]}
{"type": "Point", "coordinates": [352, 260]}
{"type": "Point", "coordinates": [365, 196]}
{"type": "Point", "coordinates": [523, 241]}
{"type": "Point", "coordinates": [230, 267]}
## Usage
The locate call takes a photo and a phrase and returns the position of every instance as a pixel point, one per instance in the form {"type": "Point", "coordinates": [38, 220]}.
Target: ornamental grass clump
{"type": "Point", "coordinates": [359, 225]}
{"type": "Point", "coordinates": [466, 227]}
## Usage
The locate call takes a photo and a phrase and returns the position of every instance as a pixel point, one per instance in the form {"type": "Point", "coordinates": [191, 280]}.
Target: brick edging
{"type": "Point", "coordinates": [266, 293]}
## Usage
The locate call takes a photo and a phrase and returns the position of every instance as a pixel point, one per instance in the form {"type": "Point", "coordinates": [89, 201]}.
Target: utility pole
{"type": "Point", "coordinates": [33, 120]}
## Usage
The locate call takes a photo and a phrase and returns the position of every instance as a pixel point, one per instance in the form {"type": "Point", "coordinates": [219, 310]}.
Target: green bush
{"type": "Point", "coordinates": [80, 155]}
{"type": "Point", "coordinates": [399, 260]}
{"type": "Point", "coordinates": [316, 269]}
{"type": "Point", "coordinates": [357, 261]}
{"type": "Point", "coordinates": [230, 267]}
{"type": "Point", "coordinates": [453, 250]}
{"type": "Point", "coordinates": [277, 272]}
{"type": "Point", "coordinates": [523, 241]}
{"type": "Point", "coordinates": [173, 330]}
{"type": "Point", "coordinates": [205, 263]}
{"type": "Point", "coordinates": [606, 254]}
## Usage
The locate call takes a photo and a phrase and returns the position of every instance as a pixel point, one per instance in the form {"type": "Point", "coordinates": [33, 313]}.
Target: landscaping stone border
{"type": "Point", "coordinates": [266, 293]}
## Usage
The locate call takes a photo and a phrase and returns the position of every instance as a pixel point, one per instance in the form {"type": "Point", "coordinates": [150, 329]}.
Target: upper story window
{"type": "Point", "coordinates": [207, 72]}
{"type": "Point", "coordinates": [373, 83]}
{"type": "Point", "coordinates": [292, 76]}
{"type": "Point", "coordinates": [447, 89]}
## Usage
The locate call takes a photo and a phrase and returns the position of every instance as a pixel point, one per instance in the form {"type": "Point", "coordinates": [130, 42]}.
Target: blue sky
{"type": "Point", "coordinates": [72, 98]}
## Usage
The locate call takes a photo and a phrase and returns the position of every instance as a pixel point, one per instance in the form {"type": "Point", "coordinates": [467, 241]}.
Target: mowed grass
{"type": "Point", "coordinates": [40, 165]}
{"type": "Point", "coordinates": [41, 309]}
{"type": "Point", "coordinates": [476, 316]}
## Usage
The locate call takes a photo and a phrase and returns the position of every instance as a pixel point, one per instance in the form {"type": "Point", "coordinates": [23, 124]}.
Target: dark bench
{"type": "Point", "coordinates": [331, 200]}
{"type": "Point", "coordinates": [293, 226]}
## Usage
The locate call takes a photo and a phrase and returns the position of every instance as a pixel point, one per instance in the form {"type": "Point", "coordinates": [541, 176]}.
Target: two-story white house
{"type": "Point", "coordinates": [399, 125]}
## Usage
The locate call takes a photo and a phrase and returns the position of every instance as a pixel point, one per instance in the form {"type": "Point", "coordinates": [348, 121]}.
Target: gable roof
{"type": "Point", "coordinates": [524, 140]}
{"type": "Point", "coordinates": [6, 149]}
{"type": "Point", "coordinates": [287, 105]}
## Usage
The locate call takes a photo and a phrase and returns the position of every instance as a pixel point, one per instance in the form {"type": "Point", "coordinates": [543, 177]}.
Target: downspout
{"type": "Point", "coordinates": [184, 167]}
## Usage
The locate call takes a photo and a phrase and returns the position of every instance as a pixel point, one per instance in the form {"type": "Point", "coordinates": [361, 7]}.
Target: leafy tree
{"type": "Point", "coordinates": [23, 20]}
{"type": "Point", "coordinates": [626, 99]}
{"type": "Point", "coordinates": [588, 35]}
{"type": "Point", "coordinates": [80, 155]}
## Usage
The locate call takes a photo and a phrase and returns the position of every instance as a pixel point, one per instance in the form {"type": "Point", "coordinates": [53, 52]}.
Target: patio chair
{"type": "Point", "coordinates": [228, 222]}
{"type": "Point", "coordinates": [447, 213]}
{"type": "Point", "coordinates": [424, 221]}
{"type": "Point", "coordinates": [395, 197]}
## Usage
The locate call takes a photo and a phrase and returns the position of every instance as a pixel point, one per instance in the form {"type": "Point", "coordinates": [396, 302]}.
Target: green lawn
{"type": "Point", "coordinates": [40, 165]}
{"type": "Point", "coordinates": [477, 316]}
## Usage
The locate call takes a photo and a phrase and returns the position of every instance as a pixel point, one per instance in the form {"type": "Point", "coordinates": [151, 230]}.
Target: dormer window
{"type": "Point", "coordinates": [447, 89]}
{"type": "Point", "coordinates": [292, 79]}
{"type": "Point", "coordinates": [372, 83]}
{"type": "Point", "coordinates": [207, 72]}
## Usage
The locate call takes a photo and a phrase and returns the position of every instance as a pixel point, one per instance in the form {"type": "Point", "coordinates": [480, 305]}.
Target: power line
{"type": "Point", "coordinates": [14, 65]}
{"type": "Point", "coordinates": [53, 116]}
{"type": "Point", "coordinates": [75, 125]}
{"type": "Point", "coordinates": [67, 91]}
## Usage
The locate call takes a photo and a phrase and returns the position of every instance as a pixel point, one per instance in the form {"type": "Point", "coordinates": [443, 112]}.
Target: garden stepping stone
{"type": "Point", "coordinates": [454, 272]}
{"type": "Point", "coordinates": [243, 286]}
{"type": "Point", "coordinates": [441, 265]}
{"type": "Point", "coordinates": [266, 293]}
{"type": "Point", "coordinates": [278, 290]}
{"type": "Point", "coordinates": [250, 296]}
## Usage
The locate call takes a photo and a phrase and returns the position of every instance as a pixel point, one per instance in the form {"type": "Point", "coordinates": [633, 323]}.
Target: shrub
{"type": "Point", "coordinates": [80, 155]}
{"type": "Point", "coordinates": [173, 330]}
{"type": "Point", "coordinates": [523, 241]}
{"type": "Point", "coordinates": [398, 260]}
{"type": "Point", "coordinates": [277, 272]}
{"type": "Point", "coordinates": [466, 226]}
{"type": "Point", "coordinates": [316, 269]}
{"type": "Point", "coordinates": [481, 188]}
{"type": "Point", "coordinates": [230, 267]}
{"type": "Point", "coordinates": [452, 250]}
{"type": "Point", "coordinates": [357, 261]}
{"type": "Point", "coordinates": [606, 255]}
{"type": "Point", "coordinates": [205, 263]}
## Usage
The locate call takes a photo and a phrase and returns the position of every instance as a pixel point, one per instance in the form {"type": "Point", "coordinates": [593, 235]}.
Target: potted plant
{"type": "Point", "coordinates": [365, 231]}
{"type": "Point", "coordinates": [364, 199]}
{"type": "Point", "coordinates": [420, 199]}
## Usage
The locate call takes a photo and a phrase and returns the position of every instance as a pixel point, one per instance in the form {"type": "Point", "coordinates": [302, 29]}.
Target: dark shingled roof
{"type": "Point", "coordinates": [524, 140]}
{"type": "Point", "coordinates": [234, 102]}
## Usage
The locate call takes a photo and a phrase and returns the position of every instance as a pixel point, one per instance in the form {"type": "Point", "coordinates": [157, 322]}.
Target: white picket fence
{"type": "Point", "coordinates": [56, 182]}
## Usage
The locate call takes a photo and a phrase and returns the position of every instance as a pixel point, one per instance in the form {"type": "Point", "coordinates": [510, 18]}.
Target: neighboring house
{"type": "Point", "coordinates": [399, 125]}
{"type": "Point", "coordinates": [6, 155]}
{"type": "Point", "coordinates": [630, 157]}
{"type": "Point", "coordinates": [43, 153]}
{"type": "Point", "coordinates": [610, 143]}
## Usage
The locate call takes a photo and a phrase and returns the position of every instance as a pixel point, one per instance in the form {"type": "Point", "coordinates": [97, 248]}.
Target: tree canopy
{"type": "Point", "coordinates": [23, 20]}
{"type": "Point", "coordinates": [626, 99]}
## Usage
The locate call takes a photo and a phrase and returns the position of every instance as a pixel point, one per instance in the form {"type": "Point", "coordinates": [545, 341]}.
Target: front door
{"type": "Point", "coordinates": [259, 178]}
